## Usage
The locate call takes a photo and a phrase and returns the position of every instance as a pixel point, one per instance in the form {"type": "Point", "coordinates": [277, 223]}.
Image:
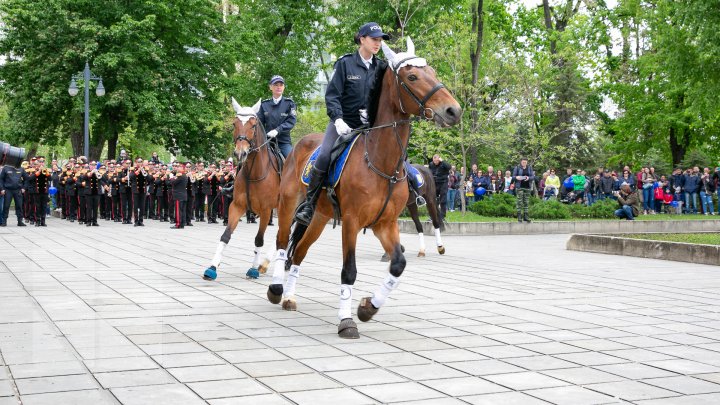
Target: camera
{"type": "Point", "coordinates": [11, 155]}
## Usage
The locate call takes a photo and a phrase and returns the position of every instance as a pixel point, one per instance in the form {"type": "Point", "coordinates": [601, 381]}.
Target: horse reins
{"type": "Point", "coordinates": [392, 180]}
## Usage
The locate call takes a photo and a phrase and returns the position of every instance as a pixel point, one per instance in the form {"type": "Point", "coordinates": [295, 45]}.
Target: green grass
{"type": "Point", "coordinates": [458, 216]}
{"type": "Point", "coordinates": [697, 238]}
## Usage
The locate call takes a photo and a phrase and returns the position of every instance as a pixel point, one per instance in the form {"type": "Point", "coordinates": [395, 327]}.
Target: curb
{"type": "Point", "coordinates": [649, 249]}
{"type": "Point", "coordinates": [564, 227]}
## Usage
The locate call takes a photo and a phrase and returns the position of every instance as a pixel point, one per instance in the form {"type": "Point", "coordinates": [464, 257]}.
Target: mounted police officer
{"type": "Point", "coordinates": [278, 115]}
{"type": "Point", "coordinates": [346, 100]}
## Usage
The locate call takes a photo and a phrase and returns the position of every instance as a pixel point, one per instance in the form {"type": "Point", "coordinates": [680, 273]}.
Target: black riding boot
{"type": "Point", "coordinates": [520, 218]}
{"type": "Point", "coordinates": [526, 218]}
{"type": "Point", "coordinates": [306, 210]}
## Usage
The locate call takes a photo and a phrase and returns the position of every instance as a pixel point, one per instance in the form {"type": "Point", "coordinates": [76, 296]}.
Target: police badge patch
{"type": "Point", "coordinates": [293, 112]}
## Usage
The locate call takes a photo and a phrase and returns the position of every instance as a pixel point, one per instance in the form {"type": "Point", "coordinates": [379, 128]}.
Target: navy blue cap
{"type": "Point", "coordinates": [276, 78]}
{"type": "Point", "coordinates": [372, 30]}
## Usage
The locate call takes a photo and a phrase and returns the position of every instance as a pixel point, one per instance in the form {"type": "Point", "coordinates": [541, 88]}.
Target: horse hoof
{"type": "Point", "coordinates": [264, 266]}
{"type": "Point", "coordinates": [441, 250]}
{"type": "Point", "coordinates": [289, 305]}
{"type": "Point", "coordinates": [274, 293]}
{"type": "Point", "coordinates": [348, 329]}
{"type": "Point", "coordinates": [385, 258]}
{"type": "Point", "coordinates": [210, 273]}
{"type": "Point", "coordinates": [252, 273]}
{"type": "Point", "coordinates": [421, 254]}
{"type": "Point", "coordinates": [366, 310]}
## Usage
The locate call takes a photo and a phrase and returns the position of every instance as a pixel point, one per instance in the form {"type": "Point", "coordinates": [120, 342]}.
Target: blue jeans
{"type": "Point", "coordinates": [590, 199]}
{"type": "Point", "coordinates": [706, 200]}
{"type": "Point", "coordinates": [451, 199]}
{"type": "Point", "coordinates": [625, 212]}
{"type": "Point", "coordinates": [648, 198]}
{"type": "Point", "coordinates": [285, 149]}
{"type": "Point", "coordinates": [694, 202]}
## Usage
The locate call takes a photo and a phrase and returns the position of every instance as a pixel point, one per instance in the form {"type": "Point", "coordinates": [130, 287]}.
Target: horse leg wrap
{"type": "Point", "coordinates": [438, 239]}
{"type": "Point", "coordinates": [218, 254]}
{"type": "Point", "coordinates": [256, 260]}
{"type": "Point", "coordinates": [388, 285]}
{"type": "Point", "coordinates": [279, 266]}
{"type": "Point", "coordinates": [291, 280]}
{"type": "Point", "coordinates": [422, 241]}
{"type": "Point", "coordinates": [345, 311]}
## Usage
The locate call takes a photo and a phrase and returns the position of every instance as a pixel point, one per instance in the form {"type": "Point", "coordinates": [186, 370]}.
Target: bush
{"type": "Point", "coordinates": [604, 209]}
{"type": "Point", "coordinates": [496, 205]}
{"type": "Point", "coordinates": [551, 209]}
{"type": "Point", "coordinates": [579, 211]}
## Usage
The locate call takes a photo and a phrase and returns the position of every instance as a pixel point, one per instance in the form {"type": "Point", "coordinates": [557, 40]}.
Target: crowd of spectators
{"type": "Point", "coordinates": [684, 191]}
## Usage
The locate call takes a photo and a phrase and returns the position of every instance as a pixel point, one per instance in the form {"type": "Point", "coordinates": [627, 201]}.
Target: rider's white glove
{"type": "Point", "coordinates": [341, 127]}
{"type": "Point", "coordinates": [364, 117]}
{"type": "Point", "coordinates": [272, 134]}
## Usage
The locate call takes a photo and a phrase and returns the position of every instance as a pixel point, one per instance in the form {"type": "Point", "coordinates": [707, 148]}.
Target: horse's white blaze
{"type": "Point", "coordinates": [438, 239]}
{"type": "Point", "coordinates": [345, 310]}
{"type": "Point", "coordinates": [218, 253]}
{"type": "Point", "coordinates": [421, 237]}
{"type": "Point", "coordinates": [278, 276]}
{"type": "Point", "coordinates": [289, 290]}
{"type": "Point", "coordinates": [388, 285]}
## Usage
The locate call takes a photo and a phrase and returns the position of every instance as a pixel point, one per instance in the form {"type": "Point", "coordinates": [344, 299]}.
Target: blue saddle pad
{"type": "Point", "coordinates": [336, 168]}
{"type": "Point", "coordinates": [414, 176]}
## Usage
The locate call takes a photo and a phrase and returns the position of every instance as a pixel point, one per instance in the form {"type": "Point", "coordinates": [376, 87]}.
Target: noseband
{"type": "Point", "coordinates": [420, 102]}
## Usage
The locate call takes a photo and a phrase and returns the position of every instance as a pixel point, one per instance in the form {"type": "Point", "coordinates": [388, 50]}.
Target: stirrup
{"type": "Point", "coordinates": [420, 201]}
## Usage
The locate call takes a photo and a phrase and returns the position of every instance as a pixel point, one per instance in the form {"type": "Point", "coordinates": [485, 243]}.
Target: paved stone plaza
{"type": "Point", "coordinates": [118, 314]}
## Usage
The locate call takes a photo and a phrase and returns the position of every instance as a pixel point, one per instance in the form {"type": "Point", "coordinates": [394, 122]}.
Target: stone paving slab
{"type": "Point", "coordinates": [497, 320]}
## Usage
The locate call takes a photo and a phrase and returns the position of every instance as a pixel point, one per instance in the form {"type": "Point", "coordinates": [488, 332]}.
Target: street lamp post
{"type": "Point", "coordinates": [73, 90]}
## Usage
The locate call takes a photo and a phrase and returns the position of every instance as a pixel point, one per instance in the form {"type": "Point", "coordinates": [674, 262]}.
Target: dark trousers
{"type": "Point", "coordinates": [227, 202]}
{"type": "Point", "coordinates": [150, 206]}
{"type": "Point", "coordinates": [441, 190]}
{"type": "Point", "coordinates": [116, 213]}
{"type": "Point", "coordinates": [91, 208]}
{"type": "Point", "coordinates": [9, 197]}
{"type": "Point", "coordinates": [41, 203]}
{"type": "Point", "coordinates": [82, 205]}
{"type": "Point", "coordinates": [162, 207]}
{"type": "Point", "coordinates": [213, 204]}
{"type": "Point", "coordinates": [138, 207]}
{"type": "Point", "coordinates": [125, 206]}
{"type": "Point", "coordinates": [188, 210]}
{"type": "Point", "coordinates": [72, 207]}
{"type": "Point", "coordinates": [64, 205]}
{"type": "Point", "coordinates": [180, 207]}
{"type": "Point", "coordinates": [199, 206]}
{"type": "Point", "coordinates": [28, 204]}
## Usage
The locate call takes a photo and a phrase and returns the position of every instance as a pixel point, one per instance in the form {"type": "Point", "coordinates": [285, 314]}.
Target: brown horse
{"type": "Point", "coordinates": [256, 184]}
{"type": "Point", "coordinates": [371, 192]}
{"type": "Point", "coordinates": [427, 192]}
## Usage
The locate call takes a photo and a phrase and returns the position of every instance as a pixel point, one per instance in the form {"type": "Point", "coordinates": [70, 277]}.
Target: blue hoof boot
{"type": "Point", "coordinates": [252, 273]}
{"type": "Point", "coordinates": [210, 273]}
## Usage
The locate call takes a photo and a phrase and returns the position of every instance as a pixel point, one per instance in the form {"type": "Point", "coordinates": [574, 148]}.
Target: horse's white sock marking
{"type": "Point", "coordinates": [279, 266]}
{"type": "Point", "coordinates": [345, 302]}
{"type": "Point", "coordinates": [388, 285]}
{"type": "Point", "coordinates": [218, 254]}
{"type": "Point", "coordinates": [289, 289]}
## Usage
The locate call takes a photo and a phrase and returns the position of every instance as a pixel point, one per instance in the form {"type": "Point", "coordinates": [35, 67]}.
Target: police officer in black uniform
{"type": "Point", "coordinates": [12, 187]}
{"type": "Point", "coordinates": [346, 100]}
{"type": "Point", "coordinates": [278, 116]}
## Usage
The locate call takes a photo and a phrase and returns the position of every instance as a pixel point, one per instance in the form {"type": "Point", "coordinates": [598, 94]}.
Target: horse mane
{"type": "Point", "coordinates": [374, 97]}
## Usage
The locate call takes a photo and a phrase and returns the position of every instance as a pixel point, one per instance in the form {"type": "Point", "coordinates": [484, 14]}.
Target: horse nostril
{"type": "Point", "coordinates": [451, 112]}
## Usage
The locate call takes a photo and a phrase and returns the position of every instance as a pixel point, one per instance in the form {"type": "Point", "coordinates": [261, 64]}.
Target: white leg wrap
{"type": "Point", "coordinates": [294, 274]}
{"type": "Point", "coordinates": [256, 260]}
{"type": "Point", "coordinates": [218, 254]}
{"type": "Point", "coordinates": [390, 283]}
{"type": "Point", "coordinates": [279, 259]}
{"type": "Point", "coordinates": [438, 239]}
{"type": "Point", "coordinates": [422, 241]}
{"type": "Point", "coordinates": [345, 310]}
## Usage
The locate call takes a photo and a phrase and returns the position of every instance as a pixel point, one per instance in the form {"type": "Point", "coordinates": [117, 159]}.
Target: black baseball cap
{"type": "Point", "coordinates": [372, 30]}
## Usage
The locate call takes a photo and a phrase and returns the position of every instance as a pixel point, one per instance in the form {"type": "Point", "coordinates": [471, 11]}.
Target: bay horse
{"type": "Point", "coordinates": [256, 183]}
{"type": "Point", "coordinates": [427, 192]}
{"type": "Point", "coordinates": [371, 192]}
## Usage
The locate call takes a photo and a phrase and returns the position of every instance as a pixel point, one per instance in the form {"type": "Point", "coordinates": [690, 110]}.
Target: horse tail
{"type": "Point", "coordinates": [297, 234]}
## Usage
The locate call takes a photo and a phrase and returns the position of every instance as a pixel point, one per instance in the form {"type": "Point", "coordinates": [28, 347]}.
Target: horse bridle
{"type": "Point", "coordinates": [420, 102]}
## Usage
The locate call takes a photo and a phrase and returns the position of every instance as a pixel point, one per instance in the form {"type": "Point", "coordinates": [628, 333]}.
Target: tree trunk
{"type": "Point", "coordinates": [76, 140]}
{"type": "Point", "coordinates": [678, 145]}
{"type": "Point", "coordinates": [112, 145]}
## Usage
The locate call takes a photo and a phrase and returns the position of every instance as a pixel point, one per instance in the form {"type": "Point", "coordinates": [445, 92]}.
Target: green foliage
{"type": "Point", "coordinates": [496, 205]}
{"type": "Point", "coordinates": [604, 208]}
{"type": "Point", "coordinates": [551, 209]}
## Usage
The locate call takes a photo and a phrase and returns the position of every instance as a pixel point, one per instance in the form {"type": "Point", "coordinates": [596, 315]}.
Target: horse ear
{"type": "Point", "coordinates": [235, 105]}
{"type": "Point", "coordinates": [410, 46]}
{"type": "Point", "coordinates": [389, 53]}
{"type": "Point", "coordinates": [256, 107]}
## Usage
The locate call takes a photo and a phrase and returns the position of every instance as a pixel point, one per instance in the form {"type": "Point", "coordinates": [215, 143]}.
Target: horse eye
{"type": "Point", "coordinates": [412, 78]}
